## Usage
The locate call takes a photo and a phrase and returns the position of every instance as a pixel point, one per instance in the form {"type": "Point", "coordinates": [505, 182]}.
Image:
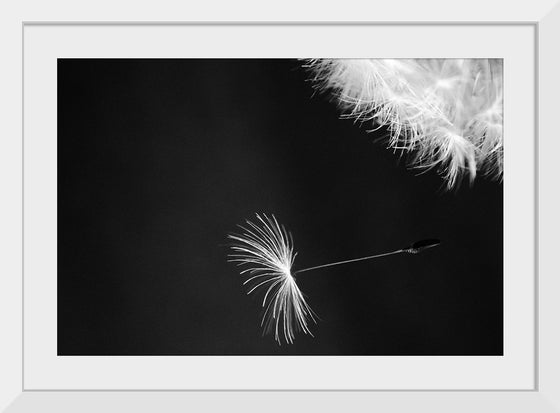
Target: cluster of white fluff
{"type": "Point", "coordinates": [266, 249]}
{"type": "Point", "coordinates": [446, 113]}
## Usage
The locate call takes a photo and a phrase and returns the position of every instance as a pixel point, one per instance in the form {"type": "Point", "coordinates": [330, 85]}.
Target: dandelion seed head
{"type": "Point", "coordinates": [265, 251]}
{"type": "Point", "coordinates": [447, 113]}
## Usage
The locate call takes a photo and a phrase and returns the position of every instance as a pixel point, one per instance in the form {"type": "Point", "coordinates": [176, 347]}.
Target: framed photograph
{"type": "Point", "coordinates": [290, 211]}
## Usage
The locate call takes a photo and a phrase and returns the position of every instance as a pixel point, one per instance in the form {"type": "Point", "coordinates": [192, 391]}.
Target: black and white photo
{"type": "Point", "coordinates": [280, 207]}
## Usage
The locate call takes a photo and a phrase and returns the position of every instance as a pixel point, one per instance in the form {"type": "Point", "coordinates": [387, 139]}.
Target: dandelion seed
{"type": "Point", "coordinates": [267, 251]}
{"type": "Point", "coordinates": [447, 113]}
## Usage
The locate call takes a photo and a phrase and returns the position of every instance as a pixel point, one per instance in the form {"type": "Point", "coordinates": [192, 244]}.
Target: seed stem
{"type": "Point", "coordinates": [349, 261]}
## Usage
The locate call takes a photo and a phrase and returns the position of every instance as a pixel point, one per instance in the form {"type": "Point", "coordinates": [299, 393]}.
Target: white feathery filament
{"type": "Point", "coordinates": [447, 113]}
{"type": "Point", "coordinates": [266, 248]}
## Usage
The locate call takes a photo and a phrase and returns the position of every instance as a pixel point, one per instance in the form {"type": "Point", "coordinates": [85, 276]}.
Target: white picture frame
{"type": "Point", "coordinates": [542, 18]}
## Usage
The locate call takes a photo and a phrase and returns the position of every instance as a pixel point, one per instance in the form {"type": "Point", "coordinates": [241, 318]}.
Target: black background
{"type": "Point", "coordinates": [159, 159]}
